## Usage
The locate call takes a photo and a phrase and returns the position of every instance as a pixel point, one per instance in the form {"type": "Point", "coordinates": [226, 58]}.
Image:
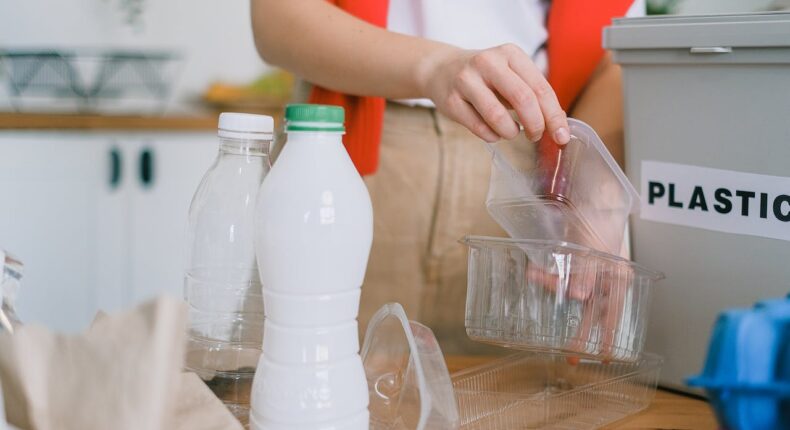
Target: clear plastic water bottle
{"type": "Point", "coordinates": [222, 285]}
{"type": "Point", "coordinates": [314, 231]}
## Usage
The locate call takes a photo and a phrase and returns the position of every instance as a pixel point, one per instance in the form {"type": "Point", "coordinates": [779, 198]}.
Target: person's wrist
{"type": "Point", "coordinates": [428, 66]}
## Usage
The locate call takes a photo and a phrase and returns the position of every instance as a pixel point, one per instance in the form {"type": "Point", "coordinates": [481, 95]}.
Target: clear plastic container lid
{"type": "Point", "coordinates": [409, 384]}
{"type": "Point", "coordinates": [575, 193]}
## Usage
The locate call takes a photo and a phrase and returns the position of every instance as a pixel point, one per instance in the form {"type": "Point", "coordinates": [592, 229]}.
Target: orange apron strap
{"type": "Point", "coordinates": [575, 29]}
{"type": "Point", "coordinates": [364, 115]}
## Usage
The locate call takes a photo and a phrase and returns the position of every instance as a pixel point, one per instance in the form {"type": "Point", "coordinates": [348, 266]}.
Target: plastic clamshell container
{"type": "Point", "coordinates": [747, 372]}
{"type": "Point", "coordinates": [552, 391]}
{"type": "Point", "coordinates": [554, 296]}
{"type": "Point", "coordinates": [408, 381]}
{"type": "Point", "coordinates": [575, 193]}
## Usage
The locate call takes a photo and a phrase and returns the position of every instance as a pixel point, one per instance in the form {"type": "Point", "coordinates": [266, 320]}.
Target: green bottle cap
{"type": "Point", "coordinates": [307, 117]}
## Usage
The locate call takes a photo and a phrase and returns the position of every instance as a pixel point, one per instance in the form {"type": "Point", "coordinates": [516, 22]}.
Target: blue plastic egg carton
{"type": "Point", "coordinates": [747, 372]}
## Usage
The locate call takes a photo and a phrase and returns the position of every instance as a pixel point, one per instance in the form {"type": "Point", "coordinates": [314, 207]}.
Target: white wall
{"type": "Point", "coordinates": [214, 35]}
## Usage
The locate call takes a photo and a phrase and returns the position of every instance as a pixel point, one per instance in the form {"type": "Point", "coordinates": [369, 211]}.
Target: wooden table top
{"type": "Point", "coordinates": [668, 410]}
{"type": "Point", "coordinates": [204, 121]}
{"type": "Point", "coordinates": [44, 121]}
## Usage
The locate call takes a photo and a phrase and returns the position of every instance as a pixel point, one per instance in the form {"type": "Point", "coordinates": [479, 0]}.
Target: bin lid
{"type": "Point", "coordinates": [754, 30]}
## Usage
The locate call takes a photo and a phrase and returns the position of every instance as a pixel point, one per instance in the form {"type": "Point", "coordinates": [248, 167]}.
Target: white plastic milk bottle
{"type": "Point", "coordinates": [314, 231]}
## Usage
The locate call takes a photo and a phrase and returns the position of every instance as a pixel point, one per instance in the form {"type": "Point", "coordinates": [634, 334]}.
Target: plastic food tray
{"type": "Point", "coordinates": [547, 391]}
{"type": "Point", "coordinates": [575, 192]}
{"type": "Point", "coordinates": [556, 297]}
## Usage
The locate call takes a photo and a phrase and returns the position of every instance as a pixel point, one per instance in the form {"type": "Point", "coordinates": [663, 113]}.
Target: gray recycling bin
{"type": "Point", "coordinates": [707, 129]}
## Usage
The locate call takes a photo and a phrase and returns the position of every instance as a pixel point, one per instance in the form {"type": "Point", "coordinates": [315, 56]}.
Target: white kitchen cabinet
{"type": "Point", "coordinates": [159, 206]}
{"type": "Point", "coordinates": [51, 187]}
{"type": "Point", "coordinates": [95, 227]}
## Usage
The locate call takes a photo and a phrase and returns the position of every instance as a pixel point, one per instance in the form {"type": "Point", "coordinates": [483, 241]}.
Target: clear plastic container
{"type": "Point", "coordinates": [552, 391]}
{"type": "Point", "coordinates": [558, 297]}
{"type": "Point", "coordinates": [222, 284]}
{"type": "Point", "coordinates": [575, 193]}
{"type": "Point", "coordinates": [408, 381]}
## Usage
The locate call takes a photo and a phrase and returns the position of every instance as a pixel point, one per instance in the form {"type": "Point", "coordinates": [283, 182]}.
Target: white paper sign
{"type": "Point", "coordinates": [715, 199]}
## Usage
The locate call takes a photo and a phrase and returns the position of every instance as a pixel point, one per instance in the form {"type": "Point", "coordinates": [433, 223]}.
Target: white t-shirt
{"type": "Point", "coordinates": [473, 24]}
{"type": "Point", "coordinates": [479, 24]}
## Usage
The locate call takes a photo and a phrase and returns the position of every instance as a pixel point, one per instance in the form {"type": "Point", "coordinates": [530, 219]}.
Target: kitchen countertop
{"type": "Point", "coordinates": [668, 410]}
{"type": "Point", "coordinates": [167, 122]}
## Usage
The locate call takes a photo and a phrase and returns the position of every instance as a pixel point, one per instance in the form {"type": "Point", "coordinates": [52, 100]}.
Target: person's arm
{"type": "Point", "coordinates": [326, 46]}
{"type": "Point", "coordinates": [601, 106]}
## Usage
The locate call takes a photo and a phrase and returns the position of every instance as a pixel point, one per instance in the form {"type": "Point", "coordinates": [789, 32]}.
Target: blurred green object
{"type": "Point", "coordinates": [662, 7]}
{"type": "Point", "coordinates": [132, 11]}
{"type": "Point", "coordinates": [272, 90]}
{"type": "Point", "coordinates": [277, 84]}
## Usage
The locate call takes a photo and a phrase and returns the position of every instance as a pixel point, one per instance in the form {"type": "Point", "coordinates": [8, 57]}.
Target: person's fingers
{"type": "Point", "coordinates": [596, 302]}
{"type": "Point", "coordinates": [465, 114]}
{"type": "Point", "coordinates": [617, 293]}
{"type": "Point", "coordinates": [584, 297]}
{"type": "Point", "coordinates": [582, 313]}
{"type": "Point", "coordinates": [475, 90]}
{"type": "Point", "coordinates": [555, 118]}
{"type": "Point", "coordinates": [580, 285]}
{"type": "Point", "coordinates": [537, 275]}
{"type": "Point", "coordinates": [582, 340]}
{"type": "Point", "coordinates": [582, 282]}
{"type": "Point", "coordinates": [523, 100]}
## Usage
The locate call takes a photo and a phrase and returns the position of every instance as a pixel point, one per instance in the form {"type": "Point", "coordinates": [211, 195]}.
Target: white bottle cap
{"type": "Point", "coordinates": [245, 126]}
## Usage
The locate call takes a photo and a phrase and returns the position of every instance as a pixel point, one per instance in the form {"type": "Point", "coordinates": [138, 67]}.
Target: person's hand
{"type": "Point", "coordinates": [600, 298]}
{"type": "Point", "coordinates": [476, 89]}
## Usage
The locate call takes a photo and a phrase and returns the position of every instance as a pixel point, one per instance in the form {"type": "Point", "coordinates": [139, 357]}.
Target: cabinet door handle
{"type": "Point", "coordinates": [115, 168]}
{"type": "Point", "coordinates": [147, 167]}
